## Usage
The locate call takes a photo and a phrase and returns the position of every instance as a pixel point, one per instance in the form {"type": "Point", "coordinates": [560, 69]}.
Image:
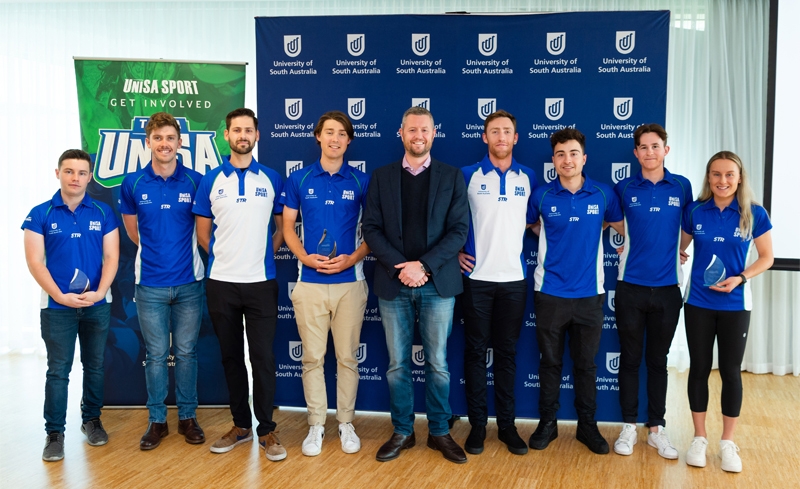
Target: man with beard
{"type": "Point", "coordinates": [156, 208]}
{"type": "Point", "coordinates": [495, 285]}
{"type": "Point", "coordinates": [416, 221]}
{"type": "Point", "coordinates": [233, 207]}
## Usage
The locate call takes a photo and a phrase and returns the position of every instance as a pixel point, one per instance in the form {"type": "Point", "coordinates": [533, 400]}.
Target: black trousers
{"type": "Point", "coordinates": [492, 310]}
{"type": "Point", "coordinates": [258, 304]}
{"type": "Point", "coordinates": [583, 320]}
{"type": "Point", "coordinates": [730, 330]}
{"type": "Point", "coordinates": [646, 321]}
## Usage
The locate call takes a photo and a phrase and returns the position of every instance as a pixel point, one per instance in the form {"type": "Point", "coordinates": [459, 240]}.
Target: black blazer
{"type": "Point", "coordinates": [448, 225]}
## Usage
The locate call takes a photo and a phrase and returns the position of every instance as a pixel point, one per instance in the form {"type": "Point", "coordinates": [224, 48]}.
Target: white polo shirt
{"type": "Point", "coordinates": [240, 203]}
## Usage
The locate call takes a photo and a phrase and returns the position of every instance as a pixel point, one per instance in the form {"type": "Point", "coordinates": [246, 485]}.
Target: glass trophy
{"type": "Point", "coordinates": [715, 272]}
{"type": "Point", "coordinates": [79, 283]}
{"type": "Point", "coordinates": [326, 246]}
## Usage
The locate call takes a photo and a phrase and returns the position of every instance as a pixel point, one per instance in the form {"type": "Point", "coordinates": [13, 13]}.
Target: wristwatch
{"type": "Point", "coordinates": [744, 279]}
{"type": "Point", "coordinates": [422, 267]}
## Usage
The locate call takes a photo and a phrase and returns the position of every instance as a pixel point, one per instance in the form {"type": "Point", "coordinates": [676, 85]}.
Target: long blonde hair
{"type": "Point", "coordinates": [744, 194]}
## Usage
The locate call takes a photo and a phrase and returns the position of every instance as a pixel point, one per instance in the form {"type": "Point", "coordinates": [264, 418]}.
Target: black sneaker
{"type": "Point", "coordinates": [474, 443]}
{"type": "Point", "coordinates": [95, 433]}
{"type": "Point", "coordinates": [53, 447]}
{"type": "Point", "coordinates": [546, 432]}
{"type": "Point", "coordinates": [589, 435]}
{"type": "Point", "coordinates": [511, 438]}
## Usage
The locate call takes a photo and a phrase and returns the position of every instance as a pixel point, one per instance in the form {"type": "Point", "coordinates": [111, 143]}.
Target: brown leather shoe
{"type": "Point", "coordinates": [391, 449]}
{"type": "Point", "coordinates": [448, 447]}
{"type": "Point", "coordinates": [192, 431]}
{"type": "Point", "coordinates": [152, 437]}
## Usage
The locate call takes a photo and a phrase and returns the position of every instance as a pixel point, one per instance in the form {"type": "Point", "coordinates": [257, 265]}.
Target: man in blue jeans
{"type": "Point", "coordinates": [72, 251]}
{"type": "Point", "coordinates": [415, 222]}
{"type": "Point", "coordinates": [156, 207]}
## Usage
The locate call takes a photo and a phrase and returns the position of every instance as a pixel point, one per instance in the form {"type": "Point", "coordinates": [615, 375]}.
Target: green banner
{"type": "Point", "coordinates": [116, 98]}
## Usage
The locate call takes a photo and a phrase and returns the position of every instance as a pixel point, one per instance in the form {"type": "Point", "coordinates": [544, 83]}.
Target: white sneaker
{"type": "Point", "coordinates": [730, 459]}
{"type": "Point", "coordinates": [659, 440]}
{"type": "Point", "coordinates": [627, 439]}
{"type": "Point", "coordinates": [312, 445]}
{"type": "Point", "coordinates": [350, 441]}
{"type": "Point", "coordinates": [696, 456]}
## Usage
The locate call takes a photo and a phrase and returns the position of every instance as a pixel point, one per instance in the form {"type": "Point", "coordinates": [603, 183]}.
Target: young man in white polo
{"type": "Point", "coordinates": [331, 292]}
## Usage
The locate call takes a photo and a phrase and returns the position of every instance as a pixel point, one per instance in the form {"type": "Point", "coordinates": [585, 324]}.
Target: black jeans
{"type": "Point", "coordinates": [730, 330]}
{"type": "Point", "coordinates": [583, 320]}
{"type": "Point", "coordinates": [258, 304]}
{"type": "Point", "coordinates": [646, 322]}
{"type": "Point", "coordinates": [492, 310]}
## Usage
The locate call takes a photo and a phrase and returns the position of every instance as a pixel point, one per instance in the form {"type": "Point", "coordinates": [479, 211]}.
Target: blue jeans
{"type": "Point", "coordinates": [59, 329]}
{"type": "Point", "coordinates": [181, 310]}
{"type": "Point", "coordinates": [435, 322]}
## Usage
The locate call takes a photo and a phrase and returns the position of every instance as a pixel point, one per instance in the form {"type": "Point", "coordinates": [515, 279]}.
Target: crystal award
{"type": "Point", "coordinates": [326, 246]}
{"type": "Point", "coordinates": [715, 272]}
{"type": "Point", "coordinates": [79, 283]}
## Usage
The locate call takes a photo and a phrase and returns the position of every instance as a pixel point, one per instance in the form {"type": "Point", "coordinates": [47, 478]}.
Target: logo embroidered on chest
{"type": "Point", "coordinates": [593, 209]}
{"type": "Point", "coordinates": [349, 195]}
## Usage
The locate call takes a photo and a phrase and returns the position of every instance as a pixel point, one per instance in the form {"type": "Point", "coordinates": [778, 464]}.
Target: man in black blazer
{"type": "Point", "coordinates": [416, 221]}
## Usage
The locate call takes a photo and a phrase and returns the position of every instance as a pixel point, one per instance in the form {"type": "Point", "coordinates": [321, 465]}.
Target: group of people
{"type": "Point", "coordinates": [436, 231]}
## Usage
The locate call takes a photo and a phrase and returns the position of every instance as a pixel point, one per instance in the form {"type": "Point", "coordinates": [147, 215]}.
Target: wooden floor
{"type": "Point", "coordinates": [768, 436]}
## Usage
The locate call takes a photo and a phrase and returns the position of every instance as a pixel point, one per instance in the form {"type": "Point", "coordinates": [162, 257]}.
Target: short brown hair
{"type": "Point", "coordinates": [568, 134]}
{"type": "Point", "coordinates": [416, 111]}
{"type": "Point", "coordinates": [338, 116]}
{"type": "Point", "coordinates": [75, 154]}
{"type": "Point", "coordinates": [497, 115]}
{"type": "Point", "coordinates": [243, 112]}
{"type": "Point", "coordinates": [645, 128]}
{"type": "Point", "coordinates": [159, 120]}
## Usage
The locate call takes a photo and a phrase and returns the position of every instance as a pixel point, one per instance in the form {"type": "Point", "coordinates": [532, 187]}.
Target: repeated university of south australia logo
{"type": "Point", "coordinates": [612, 362]}
{"type": "Point", "coordinates": [612, 302]}
{"type": "Point", "coordinates": [425, 103]}
{"type": "Point", "coordinates": [489, 357]}
{"type": "Point", "coordinates": [623, 107]}
{"type": "Point", "coordinates": [294, 108]}
{"type": "Point", "coordinates": [556, 42]}
{"type": "Point", "coordinates": [554, 108]}
{"type": "Point", "coordinates": [361, 353]}
{"type": "Point", "coordinates": [615, 239]}
{"type": "Point", "coordinates": [549, 172]}
{"type": "Point", "coordinates": [124, 151]}
{"type": "Point", "coordinates": [487, 44]}
{"type": "Point", "coordinates": [292, 166]}
{"type": "Point", "coordinates": [298, 230]}
{"type": "Point", "coordinates": [486, 106]}
{"type": "Point", "coordinates": [356, 108]}
{"type": "Point", "coordinates": [355, 44]}
{"type": "Point", "coordinates": [620, 171]}
{"type": "Point", "coordinates": [296, 350]}
{"type": "Point", "coordinates": [626, 41]}
{"type": "Point", "coordinates": [420, 44]}
{"type": "Point", "coordinates": [418, 355]}
{"type": "Point", "coordinates": [290, 287]}
{"type": "Point", "coordinates": [292, 45]}
{"type": "Point", "coordinates": [358, 165]}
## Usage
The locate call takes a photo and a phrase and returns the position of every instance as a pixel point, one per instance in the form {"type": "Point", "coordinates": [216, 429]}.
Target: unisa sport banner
{"type": "Point", "coordinates": [116, 98]}
{"type": "Point", "coordinates": [603, 73]}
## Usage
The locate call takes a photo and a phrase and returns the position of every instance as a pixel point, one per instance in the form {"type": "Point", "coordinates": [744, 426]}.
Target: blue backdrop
{"type": "Point", "coordinates": [603, 73]}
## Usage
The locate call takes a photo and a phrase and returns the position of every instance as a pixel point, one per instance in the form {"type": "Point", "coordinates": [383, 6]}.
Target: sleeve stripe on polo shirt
{"type": "Point", "coordinates": [540, 203]}
{"type": "Point", "coordinates": [605, 199]}
{"type": "Point", "coordinates": [100, 209]}
{"type": "Point", "coordinates": [193, 182]}
{"type": "Point", "coordinates": [357, 182]}
{"type": "Point", "coordinates": [133, 189]}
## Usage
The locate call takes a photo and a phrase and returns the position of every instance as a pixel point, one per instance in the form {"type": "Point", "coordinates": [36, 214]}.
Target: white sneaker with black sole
{"type": "Point", "coordinates": [696, 456]}
{"type": "Point", "coordinates": [312, 445]}
{"type": "Point", "coordinates": [730, 456]}
{"type": "Point", "coordinates": [350, 441]}
{"type": "Point", "coordinates": [659, 440]}
{"type": "Point", "coordinates": [627, 439]}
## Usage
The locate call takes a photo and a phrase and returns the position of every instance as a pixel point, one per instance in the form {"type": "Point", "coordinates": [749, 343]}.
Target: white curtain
{"type": "Point", "coordinates": [716, 100]}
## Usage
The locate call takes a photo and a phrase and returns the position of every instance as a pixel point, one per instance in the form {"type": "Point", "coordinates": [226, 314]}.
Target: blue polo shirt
{"type": "Point", "coordinates": [328, 202]}
{"type": "Point", "coordinates": [653, 215]}
{"type": "Point", "coordinates": [240, 204]}
{"type": "Point", "coordinates": [498, 204]}
{"type": "Point", "coordinates": [716, 232]}
{"type": "Point", "coordinates": [72, 240]}
{"type": "Point", "coordinates": [571, 239]}
{"type": "Point", "coordinates": [168, 255]}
